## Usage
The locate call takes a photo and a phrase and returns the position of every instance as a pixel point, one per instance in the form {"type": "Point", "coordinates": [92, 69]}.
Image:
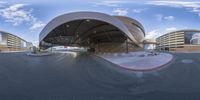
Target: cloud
{"type": "Point", "coordinates": [189, 4]}
{"type": "Point", "coordinates": [152, 34]}
{"type": "Point", "coordinates": [192, 6]}
{"type": "Point", "coordinates": [14, 14]}
{"type": "Point", "coordinates": [157, 32]}
{"type": "Point", "coordinates": [110, 3]}
{"type": "Point", "coordinates": [161, 17]}
{"type": "Point", "coordinates": [121, 11]}
{"type": "Point", "coordinates": [17, 15]}
{"type": "Point", "coordinates": [171, 29]}
{"type": "Point", "coordinates": [2, 2]}
{"type": "Point", "coordinates": [138, 10]}
{"type": "Point", "coordinates": [169, 17]}
{"type": "Point", "coordinates": [36, 25]}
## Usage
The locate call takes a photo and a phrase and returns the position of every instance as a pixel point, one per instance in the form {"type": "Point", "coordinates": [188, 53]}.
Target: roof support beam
{"type": "Point", "coordinates": [90, 29]}
{"type": "Point", "coordinates": [98, 34]}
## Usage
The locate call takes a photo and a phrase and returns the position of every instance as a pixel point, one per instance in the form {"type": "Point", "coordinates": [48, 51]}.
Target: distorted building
{"type": "Point", "coordinates": [97, 31]}
{"type": "Point", "coordinates": [10, 42]}
{"type": "Point", "coordinates": [182, 40]}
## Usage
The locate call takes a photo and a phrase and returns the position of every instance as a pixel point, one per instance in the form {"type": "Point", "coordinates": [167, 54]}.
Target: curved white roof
{"type": "Point", "coordinates": [115, 21]}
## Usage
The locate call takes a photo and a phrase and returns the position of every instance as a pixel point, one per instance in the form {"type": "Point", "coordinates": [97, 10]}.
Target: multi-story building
{"type": "Point", "coordinates": [182, 40]}
{"type": "Point", "coordinates": [10, 42]}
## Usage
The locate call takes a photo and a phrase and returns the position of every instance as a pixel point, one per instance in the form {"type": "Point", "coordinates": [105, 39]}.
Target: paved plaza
{"type": "Point", "coordinates": [137, 61]}
{"type": "Point", "coordinates": [62, 76]}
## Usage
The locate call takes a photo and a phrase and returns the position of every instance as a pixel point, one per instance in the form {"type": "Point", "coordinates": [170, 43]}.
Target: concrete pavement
{"type": "Point", "coordinates": [136, 61]}
{"type": "Point", "coordinates": [87, 77]}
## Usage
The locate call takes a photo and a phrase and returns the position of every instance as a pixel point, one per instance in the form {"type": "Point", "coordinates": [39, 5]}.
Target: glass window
{"type": "Point", "coordinates": [192, 37]}
{"type": "Point", "coordinates": [23, 44]}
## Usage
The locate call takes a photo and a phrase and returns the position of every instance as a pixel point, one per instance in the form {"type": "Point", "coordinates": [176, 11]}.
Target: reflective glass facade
{"type": "Point", "coordinates": [192, 38]}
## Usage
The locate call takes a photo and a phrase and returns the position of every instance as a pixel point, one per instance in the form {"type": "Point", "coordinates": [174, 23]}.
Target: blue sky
{"type": "Point", "coordinates": [26, 18]}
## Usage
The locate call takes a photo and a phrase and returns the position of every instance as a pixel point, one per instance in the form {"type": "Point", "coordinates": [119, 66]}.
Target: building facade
{"type": "Point", "coordinates": [10, 42]}
{"type": "Point", "coordinates": [182, 40]}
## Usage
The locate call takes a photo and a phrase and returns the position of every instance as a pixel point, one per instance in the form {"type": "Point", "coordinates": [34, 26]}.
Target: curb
{"type": "Point", "coordinates": [140, 70]}
{"type": "Point", "coordinates": [38, 55]}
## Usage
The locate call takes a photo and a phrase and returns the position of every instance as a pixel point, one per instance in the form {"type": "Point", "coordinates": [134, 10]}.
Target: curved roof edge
{"type": "Point", "coordinates": [86, 15]}
{"type": "Point", "coordinates": [134, 21]}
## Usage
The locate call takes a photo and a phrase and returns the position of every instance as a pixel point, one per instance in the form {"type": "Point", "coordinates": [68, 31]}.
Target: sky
{"type": "Point", "coordinates": [26, 18]}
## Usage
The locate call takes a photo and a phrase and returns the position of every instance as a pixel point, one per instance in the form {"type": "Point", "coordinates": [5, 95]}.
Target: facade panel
{"type": "Point", "coordinates": [9, 42]}
{"type": "Point", "coordinates": [183, 40]}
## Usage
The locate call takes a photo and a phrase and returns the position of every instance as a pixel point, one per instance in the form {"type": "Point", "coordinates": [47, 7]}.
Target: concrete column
{"type": "Point", "coordinates": [51, 47]}
{"type": "Point", "coordinates": [98, 47]}
{"type": "Point", "coordinates": [126, 45]}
